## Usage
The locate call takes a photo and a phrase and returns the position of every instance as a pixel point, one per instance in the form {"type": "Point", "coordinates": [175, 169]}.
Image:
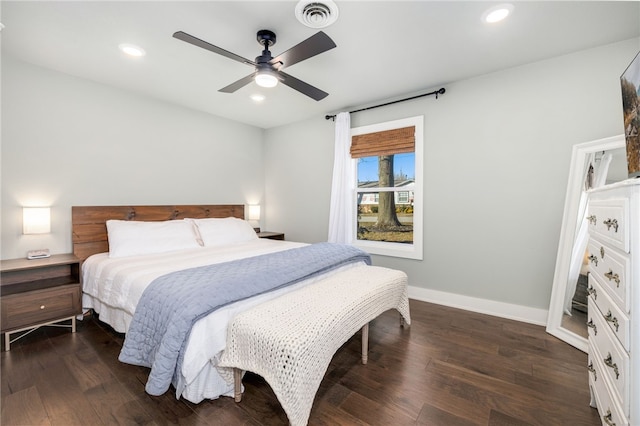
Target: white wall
{"type": "Point", "coordinates": [298, 161]}
{"type": "Point", "coordinates": [68, 141]}
{"type": "Point", "coordinates": [497, 153]}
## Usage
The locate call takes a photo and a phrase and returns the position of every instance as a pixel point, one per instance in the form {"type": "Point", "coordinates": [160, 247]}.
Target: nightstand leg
{"type": "Point", "coordinates": [73, 324]}
{"type": "Point", "coordinates": [7, 342]}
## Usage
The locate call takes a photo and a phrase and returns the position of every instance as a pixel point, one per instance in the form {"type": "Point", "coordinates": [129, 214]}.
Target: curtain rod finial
{"type": "Point", "coordinates": [330, 117]}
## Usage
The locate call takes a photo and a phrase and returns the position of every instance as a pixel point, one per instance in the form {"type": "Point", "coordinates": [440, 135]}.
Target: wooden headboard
{"type": "Point", "coordinates": [89, 229]}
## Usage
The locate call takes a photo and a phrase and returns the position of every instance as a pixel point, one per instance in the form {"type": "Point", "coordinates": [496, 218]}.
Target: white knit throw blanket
{"type": "Point", "coordinates": [290, 341]}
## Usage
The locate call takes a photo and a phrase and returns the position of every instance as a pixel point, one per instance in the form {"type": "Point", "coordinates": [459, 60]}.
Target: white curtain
{"type": "Point", "coordinates": [582, 235]}
{"type": "Point", "coordinates": [342, 209]}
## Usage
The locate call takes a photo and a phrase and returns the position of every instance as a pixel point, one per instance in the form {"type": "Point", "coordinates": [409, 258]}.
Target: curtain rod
{"type": "Point", "coordinates": [435, 92]}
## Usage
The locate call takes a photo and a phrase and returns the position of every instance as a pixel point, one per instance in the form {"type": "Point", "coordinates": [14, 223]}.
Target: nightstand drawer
{"type": "Point", "coordinates": [39, 306]}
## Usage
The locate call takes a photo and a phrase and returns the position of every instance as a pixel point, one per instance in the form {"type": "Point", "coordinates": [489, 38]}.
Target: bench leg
{"type": "Point", "coordinates": [365, 343]}
{"type": "Point", "coordinates": [401, 321]}
{"type": "Point", "coordinates": [237, 384]}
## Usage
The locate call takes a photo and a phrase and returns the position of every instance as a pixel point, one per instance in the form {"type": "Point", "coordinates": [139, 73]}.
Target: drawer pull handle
{"type": "Point", "coordinates": [590, 324]}
{"type": "Point", "coordinates": [612, 276]}
{"type": "Point", "coordinates": [602, 252]}
{"type": "Point", "coordinates": [607, 418]}
{"type": "Point", "coordinates": [591, 290]}
{"type": "Point", "coordinates": [613, 320]}
{"type": "Point", "coordinates": [609, 363]}
{"type": "Point", "coordinates": [611, 223]}
{"type": "Point", "coordinates": [593, 370]}
{"type": "Point", "coordinates": [593, 259]}
{"type": "Point", "coordinates": [592, 219]}
{"type": "Point", "coordinates": [41, 306]}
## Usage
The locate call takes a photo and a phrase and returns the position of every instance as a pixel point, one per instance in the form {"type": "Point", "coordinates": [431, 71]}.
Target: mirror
{"type": "Point", "coordinates": [567, 314]}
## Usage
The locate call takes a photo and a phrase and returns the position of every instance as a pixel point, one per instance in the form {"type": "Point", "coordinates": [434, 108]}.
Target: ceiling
{"type": "Point", "coordinates": [385, 49]}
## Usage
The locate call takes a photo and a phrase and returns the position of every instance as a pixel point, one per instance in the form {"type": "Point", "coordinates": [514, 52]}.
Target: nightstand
{"type": "Point", "coordinates": [271, 235]}
{"type": "Point", "coordinates": [39, 292]}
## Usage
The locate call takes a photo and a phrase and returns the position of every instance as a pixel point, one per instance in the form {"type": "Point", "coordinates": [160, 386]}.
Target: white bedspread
{"type": "Point", "coordinates": [113, 287]}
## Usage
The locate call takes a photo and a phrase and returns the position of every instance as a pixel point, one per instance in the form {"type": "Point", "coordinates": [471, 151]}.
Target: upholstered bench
{"type": "Point", "coordinates": [290, 341]}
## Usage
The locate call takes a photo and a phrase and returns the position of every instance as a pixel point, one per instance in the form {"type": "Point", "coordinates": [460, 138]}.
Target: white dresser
{"type": "Point", "coordinates": [614, 302]}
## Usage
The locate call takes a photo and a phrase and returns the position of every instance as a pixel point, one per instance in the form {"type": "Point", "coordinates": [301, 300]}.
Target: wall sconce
{"type": "Point", "coordinates": [36, 220]}
{"type": "Point", "coordinates": [254, 216]}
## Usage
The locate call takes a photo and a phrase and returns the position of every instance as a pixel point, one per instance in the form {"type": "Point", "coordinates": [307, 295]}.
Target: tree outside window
{"type": "Point", "coordinates": [387, 214]}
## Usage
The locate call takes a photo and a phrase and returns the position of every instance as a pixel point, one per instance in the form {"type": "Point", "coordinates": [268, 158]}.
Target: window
{"type": "Point", "coordinates": [389, 187]}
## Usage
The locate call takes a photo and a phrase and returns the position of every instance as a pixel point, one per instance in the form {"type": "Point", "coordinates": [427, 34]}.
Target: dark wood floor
{"type": "Point", "coordinates": [450, 367]}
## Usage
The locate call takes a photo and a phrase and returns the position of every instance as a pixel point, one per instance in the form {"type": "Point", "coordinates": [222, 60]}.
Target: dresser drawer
{"type": "Point", "coordinates": [617, 320]}
{"type": "Point", "coordinates": [610, 355]}
{"type": "Point", "coordinates": [40, 306]}
{"type": "Point", "coordinates": [608, 405]}
{"type": "Point", "coordinates": [608, 222]}
{"type": "Point", "coordinates": [612, 270]}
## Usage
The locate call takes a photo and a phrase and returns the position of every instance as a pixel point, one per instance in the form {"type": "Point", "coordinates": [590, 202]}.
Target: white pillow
{"type": "Point", "coordinates": [130, 238]}
{"type": "Point", "coordinates": [224, 231]}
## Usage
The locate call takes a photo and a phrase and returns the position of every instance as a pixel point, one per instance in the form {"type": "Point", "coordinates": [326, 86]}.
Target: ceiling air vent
{"type": "Point", "coordinates": [317, 14]}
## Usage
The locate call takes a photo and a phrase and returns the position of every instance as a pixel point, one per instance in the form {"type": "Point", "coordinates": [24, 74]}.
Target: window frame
{"type": "Point", "coordinates": [403, 250]}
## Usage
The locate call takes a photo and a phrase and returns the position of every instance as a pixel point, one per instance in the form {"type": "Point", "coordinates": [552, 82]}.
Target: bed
{"type": "Point", "coordinates": [115, 277]}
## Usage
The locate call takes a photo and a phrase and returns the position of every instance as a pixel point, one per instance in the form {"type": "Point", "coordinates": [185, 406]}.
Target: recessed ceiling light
{"type": "Point", "coordinates": [497, 13]}
{"type": "Point", "coordinates": [257, 98]}
{"type": "Point", "coordinates": [132, 49]}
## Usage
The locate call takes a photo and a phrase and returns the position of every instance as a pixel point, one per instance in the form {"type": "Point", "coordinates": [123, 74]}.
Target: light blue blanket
{"type": "Point", "coordinates": [172, 303]}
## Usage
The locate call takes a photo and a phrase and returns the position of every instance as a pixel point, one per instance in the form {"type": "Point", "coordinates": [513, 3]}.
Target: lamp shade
{"type": "Point", "coordinates": [36, 220]}
{"type": "Point", "coordinates": [254, 212]}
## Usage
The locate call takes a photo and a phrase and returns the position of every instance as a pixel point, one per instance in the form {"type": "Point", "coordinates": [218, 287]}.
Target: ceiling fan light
{"type": "Point", "coordinates": [266, 79]}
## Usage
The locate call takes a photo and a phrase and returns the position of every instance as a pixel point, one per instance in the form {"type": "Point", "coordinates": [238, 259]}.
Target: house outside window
{"type": "Point", "coordinates": [389, 187]}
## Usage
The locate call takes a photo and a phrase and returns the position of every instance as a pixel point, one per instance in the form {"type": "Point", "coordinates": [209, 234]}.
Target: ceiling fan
{"type": "Point", "coordinates": [268, 70]}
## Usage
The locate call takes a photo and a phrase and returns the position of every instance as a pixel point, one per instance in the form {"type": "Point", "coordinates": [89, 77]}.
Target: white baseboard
{"type": "Point", "coordinates": [483, 306]}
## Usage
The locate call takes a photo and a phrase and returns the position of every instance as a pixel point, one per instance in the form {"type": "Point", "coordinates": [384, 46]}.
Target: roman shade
{"type": "Point", "coordinates": [395, 141]}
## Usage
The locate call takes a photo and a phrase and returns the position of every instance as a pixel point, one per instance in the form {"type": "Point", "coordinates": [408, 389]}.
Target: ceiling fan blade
{"type": "Point", "coordinates": [238, 84]}
{"type": "Point", "coordinates": [302, 87]}
{"type": "Point", "coordinates": [314, 45]}
{"type": "Point", "coordinates": [208, 46]}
